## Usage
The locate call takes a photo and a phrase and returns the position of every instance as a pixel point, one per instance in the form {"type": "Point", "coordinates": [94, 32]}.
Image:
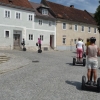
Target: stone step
{"type": "Point", "coordinates": [17, 48]}
{"type": "Point", "coordinates": [2, 61]}
{"type": "Point", "coordinates": [3, 58]}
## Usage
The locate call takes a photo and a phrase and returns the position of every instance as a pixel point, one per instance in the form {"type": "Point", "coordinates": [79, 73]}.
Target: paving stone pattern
{"type": "Point", "coordinates": [52, 78]}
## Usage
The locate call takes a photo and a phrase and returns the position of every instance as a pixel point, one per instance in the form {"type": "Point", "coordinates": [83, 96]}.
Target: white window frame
{"type": "Point", "coordinates": [50, 23]}
{"type": "Point", "coordinates": [7, 15]}
{"type": "Point", "coordinates": [63, 26]}
{"type": "Point", "coordinates": [45, 11]}
{"type": "Point", "coordinates": [95, 29]}
{"type": "Point", "coordinates": [5, 33]}
{"type": "Point", "coordinates": [64, 41]}
{"type": "Point", "coordinates": [75, 41]}
{"type": "Point", "coordinates": [30, 37]}
{"type": "Point", "coordinates": [41, 21]}
{"type": "Point", "coordinates": [88, 29]}
{"type": "Point", "coordinates": [28, 16]}
{"type": "Point", "coordinates": [42, 37]}
{"type": "Point", "coordinates": [74, 27]}
{"type": "Point", "coordinates": [18, 13]}
{"type": "Point", "coordinates": [83, 29]}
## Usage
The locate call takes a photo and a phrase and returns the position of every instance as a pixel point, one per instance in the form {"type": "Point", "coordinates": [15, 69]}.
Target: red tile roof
{"type": "Point", "coordinates": [69, 13]}
{"type": "Point", "coordinates": [36, 6]}
{"type": "Point", "coordinates": [20, 3]}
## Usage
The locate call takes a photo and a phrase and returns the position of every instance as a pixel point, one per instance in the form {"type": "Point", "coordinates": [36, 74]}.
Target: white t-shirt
{"type": "Point", "coordinates": [79, 44]}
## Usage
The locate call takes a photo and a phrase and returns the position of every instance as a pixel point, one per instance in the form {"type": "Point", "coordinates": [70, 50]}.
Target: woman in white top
{"type": "Point", "coordinates": [80, 49]}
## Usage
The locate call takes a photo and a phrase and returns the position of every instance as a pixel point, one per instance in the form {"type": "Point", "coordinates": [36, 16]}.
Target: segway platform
{"type": "Point", "coordinates": [39, 51]}
{"type": "Point", "coordinates": [90, 87]}
{"type": "Point", "coordinates": [82, 62]}
{"type": "Point", "coordinates": [24, 49]}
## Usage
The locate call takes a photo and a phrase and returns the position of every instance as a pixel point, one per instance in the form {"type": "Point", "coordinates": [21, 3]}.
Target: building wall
{"type": "Point", "coordinates": [7, 43]}
{"type": "Point", "coordinates": [71, 34]}
{"type": "Point", "coordinates": [12, 21]}
{"type": "Point", "coordinates": [31, 44]}
{"type": "Point", "coordinates": [45, 26]}
{"type": "Point", "coordinates": [25, 27]}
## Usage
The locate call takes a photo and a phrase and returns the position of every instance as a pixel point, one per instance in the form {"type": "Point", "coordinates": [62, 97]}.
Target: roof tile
{"type": "Point", "coordinates": [70, 13]}
{"type": "Point", "coordinates": [21, 3]}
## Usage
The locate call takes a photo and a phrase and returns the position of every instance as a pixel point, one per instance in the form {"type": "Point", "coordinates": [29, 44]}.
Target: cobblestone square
{"type": "Point", "coordinates": [47, 76]}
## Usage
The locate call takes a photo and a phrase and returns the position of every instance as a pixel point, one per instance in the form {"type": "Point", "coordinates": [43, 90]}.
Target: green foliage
{"type": "Point", "coordinates": [97, 16]}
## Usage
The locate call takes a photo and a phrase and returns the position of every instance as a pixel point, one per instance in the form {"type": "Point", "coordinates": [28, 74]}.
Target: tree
{"type": "Point", "coordinates": [97, 19]}
{"type": "Point", "coordinates": [97, 16]}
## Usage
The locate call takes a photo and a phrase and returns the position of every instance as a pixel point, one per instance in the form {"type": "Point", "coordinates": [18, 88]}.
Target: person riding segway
{"type": "Point", "coordinates": [92, 63]}
{"type": "Point", "coordinates": [80, 51]}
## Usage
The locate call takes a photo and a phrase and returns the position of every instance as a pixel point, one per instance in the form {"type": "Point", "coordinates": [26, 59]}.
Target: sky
{"type": "Point", "coordinates": [89, 5]}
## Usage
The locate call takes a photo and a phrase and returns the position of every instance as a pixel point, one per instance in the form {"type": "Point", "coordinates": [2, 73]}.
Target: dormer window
{"type": "Point", "coordinates": [44, 11]}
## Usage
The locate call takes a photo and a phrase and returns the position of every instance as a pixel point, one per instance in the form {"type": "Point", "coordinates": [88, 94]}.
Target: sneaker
{"type": "Point", "coordinates": [88, 82]}
{"type": "Point", "coordinates": [94, 83]}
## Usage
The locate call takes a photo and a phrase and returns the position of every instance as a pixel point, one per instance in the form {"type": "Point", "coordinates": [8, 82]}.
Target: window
{"type": "Point", "coordinates": [94, 30]}
{"type": "Point", "coordinates": [75, 40]}
{"type": "Point", "coordinates": [18, 15]}
{"type": "Point", "coordinates": [64, 25]}
{"type": "Point", "coordinates": [64, 40]}
{"type": "Point", "coordinates": [70, 26]}
{"type": "Point", "coordinates": [82, 28]}
{"type": "Point", "coordinates": [7, 34]}
{"type": "Point", "coordinates": [41, 37]}
{"type": "Point", "coordinates": [76, 27]}
{"type": "Point", "coordinates": [50, 23]}
{"type": "Point", "coordinates": [40, 22]}
{"type": "Point", "coordinates": [30, 36]}
{"type": "Point", "coordinates": [7, 14]}
{"type": "Point", "coordinates": [44, 11]}
{"type": "Point", "coordinates": [89, 29]}
{"type": "Point", "coordinates": [30, 17]}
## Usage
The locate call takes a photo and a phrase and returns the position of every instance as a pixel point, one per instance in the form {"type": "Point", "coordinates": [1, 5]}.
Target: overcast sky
{"type": "Point", "coordinates": [89, 5]}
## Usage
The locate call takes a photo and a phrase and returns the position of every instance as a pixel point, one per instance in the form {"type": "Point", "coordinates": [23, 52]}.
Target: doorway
{"type": "Point", "coordinates": [52, 41]}
{"type": "Point", "coordinates": [16, 40]}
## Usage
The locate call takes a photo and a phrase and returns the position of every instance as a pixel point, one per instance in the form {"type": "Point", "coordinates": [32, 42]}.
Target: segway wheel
{"type": "Point", "coordinates": [74, 61]}
{"type": "Point", "coordinates": [98, 85]}
{"type": "Point", "coordinates": [83, 82]}
{"type": "Point", "coordinates": [84, 62]}
{"type": "Point", "coordinates": [39, 51]}
{"type": "Point", "coordinates": [24, 49]}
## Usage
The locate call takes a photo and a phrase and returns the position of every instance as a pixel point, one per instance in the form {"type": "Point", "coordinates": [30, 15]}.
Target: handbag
{"type": "Point", "coordinates": [36, 44]}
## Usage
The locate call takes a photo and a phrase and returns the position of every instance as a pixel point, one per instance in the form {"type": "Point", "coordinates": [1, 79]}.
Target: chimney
{"type": "Point", "coordinates": [10, 0]}
{"type": "Point", "coordinates": [72, 6]}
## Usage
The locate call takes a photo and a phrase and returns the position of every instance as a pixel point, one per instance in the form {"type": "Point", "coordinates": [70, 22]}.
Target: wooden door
{"type": "Point", "coordinates": [16, 41]}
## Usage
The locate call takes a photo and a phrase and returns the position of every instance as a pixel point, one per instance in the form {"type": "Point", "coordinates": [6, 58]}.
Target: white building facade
{"type": "Point", "coordinates": [18, 23]}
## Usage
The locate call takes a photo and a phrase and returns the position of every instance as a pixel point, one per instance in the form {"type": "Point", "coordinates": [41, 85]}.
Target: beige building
{"type": "Point", "coordinates": [68, 32]}
{"type": "Point", "coordinates": [72, 23]}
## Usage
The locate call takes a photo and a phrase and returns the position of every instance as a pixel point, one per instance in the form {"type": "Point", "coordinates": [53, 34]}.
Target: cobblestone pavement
{"type": "Point", "coordinates": [52, 78]}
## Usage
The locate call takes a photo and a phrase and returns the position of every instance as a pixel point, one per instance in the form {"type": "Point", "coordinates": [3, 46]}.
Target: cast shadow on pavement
{"type": "Point", "coordinates": [77, 84]}
{"type": "Point", "coordinates": [71, 64]}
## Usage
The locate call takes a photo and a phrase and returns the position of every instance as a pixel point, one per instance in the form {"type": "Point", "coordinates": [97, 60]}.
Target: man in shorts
{"type": "Point", "coordinates": [80, 49]}
{"type": "Point", "coordinates": [92, 62]}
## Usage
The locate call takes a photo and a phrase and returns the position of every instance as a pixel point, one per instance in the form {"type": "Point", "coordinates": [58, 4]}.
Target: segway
{"type": "Point", "coordinates": [90, 86]}
{"type": "Point", "coordinates": [79, 62]}
{"type": "Point", "coordinates": [39, 51]}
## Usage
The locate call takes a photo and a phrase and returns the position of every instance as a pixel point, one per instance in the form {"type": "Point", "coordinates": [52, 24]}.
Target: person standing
{"type": "Point", "coordinates": [39, 43]}
{"type": "Point", "coordinates": [92, 52]}
{"type": "Point", "coordinates": [80, 49]}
